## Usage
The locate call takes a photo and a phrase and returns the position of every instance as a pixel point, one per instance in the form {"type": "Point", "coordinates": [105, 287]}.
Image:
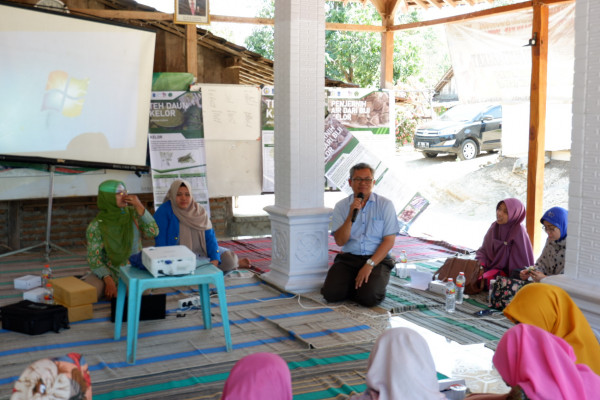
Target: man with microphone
{"type": "Point", "coordinates": [365, 225]}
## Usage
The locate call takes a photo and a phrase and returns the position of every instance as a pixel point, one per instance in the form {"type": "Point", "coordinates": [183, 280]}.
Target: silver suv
{"type": "Point", "coordinates": [464, 130]}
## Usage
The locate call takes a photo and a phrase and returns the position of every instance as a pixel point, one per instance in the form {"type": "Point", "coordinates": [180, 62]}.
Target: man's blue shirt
{"type": "Point", "coordinates": [374, 221]}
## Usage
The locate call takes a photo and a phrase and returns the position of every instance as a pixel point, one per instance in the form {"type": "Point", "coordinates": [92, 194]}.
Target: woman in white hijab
{"type": "Point", "coordinates": [401, 368]}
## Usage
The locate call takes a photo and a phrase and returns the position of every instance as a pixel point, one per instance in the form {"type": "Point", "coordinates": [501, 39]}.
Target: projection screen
{"type": "Point", "coordinates": [73, 88]}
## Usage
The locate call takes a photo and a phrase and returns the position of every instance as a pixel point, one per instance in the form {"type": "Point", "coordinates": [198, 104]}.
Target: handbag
{"type": "Point", "coordinates": [453, 266]}
{"type": "Point", "coordinates": [503, 291]}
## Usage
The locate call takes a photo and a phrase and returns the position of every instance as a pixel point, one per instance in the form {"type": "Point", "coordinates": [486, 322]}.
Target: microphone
{"type": "Point", "coordinates": [355, 212]}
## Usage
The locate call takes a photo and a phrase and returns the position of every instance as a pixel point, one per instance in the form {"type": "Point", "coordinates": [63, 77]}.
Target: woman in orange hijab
{"type": "Point", "coordinates": [552, 309]}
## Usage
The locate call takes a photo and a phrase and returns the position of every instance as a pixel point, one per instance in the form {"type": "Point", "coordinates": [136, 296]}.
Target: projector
{"type": "Point", "coordinates": [169, 260]}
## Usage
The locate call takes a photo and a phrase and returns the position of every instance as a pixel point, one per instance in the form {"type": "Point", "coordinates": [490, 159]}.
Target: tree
{"type": "Point", "coordinates": [262, 39]}
{"type": "Point", "coordinates": [355, 57]}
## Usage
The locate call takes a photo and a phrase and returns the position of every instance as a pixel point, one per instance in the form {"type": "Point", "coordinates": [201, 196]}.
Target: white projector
{"type": "Point", "coordinates": [169, 260]}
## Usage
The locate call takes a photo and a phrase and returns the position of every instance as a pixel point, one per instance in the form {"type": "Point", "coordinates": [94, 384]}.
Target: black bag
{"type": "Point", "coordinates": [453, 266]}
{"type": "Point", "coordinates": [34, 318]}
{"type": "Point", "coordinates": [153, 306]}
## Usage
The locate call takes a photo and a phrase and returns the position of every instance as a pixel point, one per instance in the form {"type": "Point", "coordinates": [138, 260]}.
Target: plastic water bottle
{"type": "Point", "coordinates": [46, 275]}
{"type": "Point", "coordinates": [450, 296]}
{"type": "Point", "coordinates": [460, 287]}
{"type": "Point", "coordinates": [402, 266]}
{"type": "Point", "coordinates": [49, 294]}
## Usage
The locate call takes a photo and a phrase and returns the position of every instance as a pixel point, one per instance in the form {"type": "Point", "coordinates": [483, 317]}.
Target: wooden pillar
{"type": "Point", "coordinates": [191, 49]}
{"type": "Point", "coordinates": [387, 54]}
{"type": "Point", "coordinates": [387, 10]}
{"type": "Point", "coordinates": [537, 123]}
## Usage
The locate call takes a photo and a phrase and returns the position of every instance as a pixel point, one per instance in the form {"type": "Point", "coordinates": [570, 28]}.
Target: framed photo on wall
{"type": "Point", "coordinates": [191, 12]}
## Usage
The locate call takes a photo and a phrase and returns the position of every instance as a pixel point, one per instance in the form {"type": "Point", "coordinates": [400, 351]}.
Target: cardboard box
{"type": "Point", "coordinates": [28, 282]}
{"type": "Point", "coordinates": [72, 292]}
{"type": "Point", "coordinates": [36, 295]}
{"type": "Point", "coordinates": [79, 313]}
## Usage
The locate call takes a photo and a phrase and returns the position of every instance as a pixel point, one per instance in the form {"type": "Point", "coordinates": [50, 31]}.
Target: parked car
{"type": "Point", "coordinates": [464, 130]}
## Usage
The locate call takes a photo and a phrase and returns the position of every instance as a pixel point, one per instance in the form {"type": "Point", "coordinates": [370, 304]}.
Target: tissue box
{"type": "Point", "coordinates": [79, 313]}
{"type": "Point", "coordinates": [36, 295]}
{"type": "Point", "coordinates": [72, 292]}
{"type": "Point", "coordinates": [438, 287]}
{"type": "Point", "coordinates": [28, 282]}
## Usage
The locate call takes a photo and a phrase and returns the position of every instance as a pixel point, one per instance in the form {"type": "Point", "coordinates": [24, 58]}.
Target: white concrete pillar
{"type": "Point", "coordinates": [582, 264]}
{"type": "Point", "coordinates": [299, 222]}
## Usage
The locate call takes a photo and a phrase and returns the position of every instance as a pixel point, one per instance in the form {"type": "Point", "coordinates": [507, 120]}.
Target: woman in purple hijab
{"type": "Point", "coordinates": [506, 246]}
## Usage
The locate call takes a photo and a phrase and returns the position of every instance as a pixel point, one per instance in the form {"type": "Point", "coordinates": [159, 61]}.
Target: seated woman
{"type": "Point", "coordinates": [400, 367]}
{"type": "Point", "coordinates": [183, 221]}
{"type": "Point", "coordinates": [114, 235]}
{"type": "Point", "coordinates": [552, 259]}
{"type": "Point", "coordinates": [506, 247]}
{"type": "Point", "coordinates": [543, 365]}
{"type": "Point", "coordinates": [552, 309]}
{"type": "Point", "coordinates": [259, 376]}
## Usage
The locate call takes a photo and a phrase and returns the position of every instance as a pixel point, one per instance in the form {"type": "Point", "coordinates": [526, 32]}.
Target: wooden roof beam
{"type": "Point", "coordinates": [435, 3]}
{"type": "Point", "coordinates": [451, 3]}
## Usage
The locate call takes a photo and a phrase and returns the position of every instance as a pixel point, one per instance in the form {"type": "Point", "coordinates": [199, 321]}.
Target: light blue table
{"type": "Point", "coordinates": [133, 282]}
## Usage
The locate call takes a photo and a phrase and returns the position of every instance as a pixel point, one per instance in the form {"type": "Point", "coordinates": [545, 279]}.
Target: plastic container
{"type": "Point", "coordinates": [492, 281]}
{"type": "Point", "coordinates": [46, 275]}
{"type": "Point", "coordinates": [450, 296]}
{"type": "Point", "coordinates": [402, 265]}
{"type": "Point", "coordinates": [460, 287]}
{"type": "Point", "coordinates": [49, 294]}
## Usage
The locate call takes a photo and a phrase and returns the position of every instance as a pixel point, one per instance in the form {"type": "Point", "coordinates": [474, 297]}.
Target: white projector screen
{"type": "Point", "coordinates": [73, 89]}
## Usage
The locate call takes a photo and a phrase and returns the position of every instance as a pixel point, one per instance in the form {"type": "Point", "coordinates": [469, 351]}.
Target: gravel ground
{"type": "Point", "coordinates": [464, 194]}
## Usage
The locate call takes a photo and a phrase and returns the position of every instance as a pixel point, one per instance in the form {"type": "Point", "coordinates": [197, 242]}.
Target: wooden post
{"type": "Point", "coordinates": [537, 123]}
{"type": "Point", "coordinates": [387, 10]}
{"type": "Point", "coordinates": [191, 49]}
{"type": "Point", "coordinates": [387, 54]}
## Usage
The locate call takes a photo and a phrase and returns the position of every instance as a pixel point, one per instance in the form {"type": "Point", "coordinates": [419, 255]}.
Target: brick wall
{"type": "Point", "coordinates": [70, 218]}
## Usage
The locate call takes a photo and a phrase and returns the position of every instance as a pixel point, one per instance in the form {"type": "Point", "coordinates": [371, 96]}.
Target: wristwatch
{"type": "Point", "coordinates": [371, 262]}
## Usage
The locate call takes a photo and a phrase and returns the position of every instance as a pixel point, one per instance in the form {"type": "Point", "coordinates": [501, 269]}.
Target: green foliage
{"type": "Point", "coordinates": [262, 39]}
{"type": "Point", "coordinates": [355, 57]}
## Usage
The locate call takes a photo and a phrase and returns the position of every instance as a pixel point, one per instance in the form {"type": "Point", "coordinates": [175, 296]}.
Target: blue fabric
{"type": "Point", "coordinates": [168, 232]}
{"type": "Point", "coordinates": [136, 261]}
{"type": "Point", "coordinates": [374, 221]}
{"type": "Point", "coordinates": [558, 217]}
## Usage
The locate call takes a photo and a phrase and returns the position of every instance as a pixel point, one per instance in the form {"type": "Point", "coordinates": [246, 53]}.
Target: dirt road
{"type": "Point", "coordinates": [464, 194]}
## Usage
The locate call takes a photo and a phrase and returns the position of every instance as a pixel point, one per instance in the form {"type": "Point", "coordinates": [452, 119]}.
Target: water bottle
{"type": "Point", "coordinates": [460, 287]}
{"type": "Point", "coordinates": [49, 294]}
{"type": "Point", "coordinates": [450, 296]}
{"type": "Point", "coordinates": [402, 265]}
{"type": "Point", "coordinates": [46, 275]}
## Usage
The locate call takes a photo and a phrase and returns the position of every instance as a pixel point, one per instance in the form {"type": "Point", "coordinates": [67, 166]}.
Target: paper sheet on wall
{"type": "Point", "coordinates": [231, 112]}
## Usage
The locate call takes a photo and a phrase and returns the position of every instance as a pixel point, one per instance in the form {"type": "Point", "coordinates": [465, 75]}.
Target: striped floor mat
{"type": "Point", "coordinates": [427, 309]}
{"type": "Point", "coordinates": [262, 319]}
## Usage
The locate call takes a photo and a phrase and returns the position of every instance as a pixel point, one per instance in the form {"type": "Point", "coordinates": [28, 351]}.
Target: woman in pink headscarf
{"type": "Point", "coordinates": [543, 365]}
{"type": "Point", "coordinates": [540, 366]}
{"type": "Point", "coordinates": [506, 247]}
{"type": "Point", "coordinates": [259, 376]}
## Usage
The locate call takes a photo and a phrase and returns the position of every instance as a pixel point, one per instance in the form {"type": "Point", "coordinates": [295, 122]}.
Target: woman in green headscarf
{"type": "Point", "coordinates": [115, 234]}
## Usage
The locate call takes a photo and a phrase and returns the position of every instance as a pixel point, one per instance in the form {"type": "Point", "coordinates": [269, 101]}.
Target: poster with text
{"type": "Point", "coordinates": [343, 150]}
{"type": "Point", "coordinates": [368, 114]}
{"type": "Point", "coordinates": [176, 143]}
{"type": "Point", "coordinates": [268, 139]}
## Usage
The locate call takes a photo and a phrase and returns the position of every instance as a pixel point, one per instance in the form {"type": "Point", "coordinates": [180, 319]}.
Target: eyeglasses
{"type": "Point", "coordinates": [361, 180]}
{"type": "Point", "coordinates": [122, 192]}
{"type": "Point", "coordinates": [549, 228]}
